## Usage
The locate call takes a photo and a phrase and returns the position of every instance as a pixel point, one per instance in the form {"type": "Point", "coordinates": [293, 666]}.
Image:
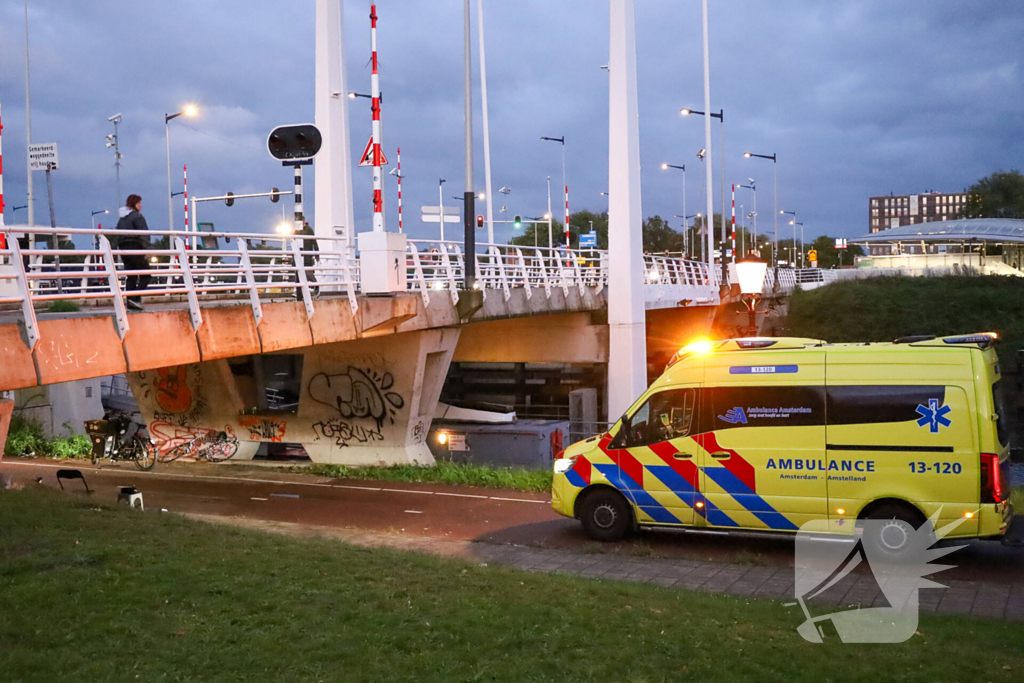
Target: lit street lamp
{"type": "Point", "coordinates": [187, 111]}
{"type": "Point", "coordinates": [753, 213]}
{"type": "Point", "coordinates": [775, 193]}
{"type": "Point", "coordinates": [565, 184]}
{"type": "Point", "coordinates": [795, 223]}
{"type": "Point", "coordinates": [751, 276]}
{"type": "Point", "coordinates": [682, 168]}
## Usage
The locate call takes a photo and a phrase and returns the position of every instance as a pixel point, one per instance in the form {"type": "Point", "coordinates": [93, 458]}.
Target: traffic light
{"type": "Point", "coordinates": [275, 195]}
{"type": "Point", "coordinates": [518, 222]}
{"type": "Point", "coordinates": [293, 143]}
{"type": "Point", "coordinates": [479, 221]}
{"type": "Point", "coordinates": [229, 198]}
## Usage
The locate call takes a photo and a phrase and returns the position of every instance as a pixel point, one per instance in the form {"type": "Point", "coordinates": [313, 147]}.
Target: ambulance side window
{"type": "Point", "coordinates": [666, 415]}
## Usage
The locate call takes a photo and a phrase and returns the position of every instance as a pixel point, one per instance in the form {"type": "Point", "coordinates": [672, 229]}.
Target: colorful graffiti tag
{"type": "Point", "coordinates": [177, 392]}
{"type": "Point", "coordinates": [264, 428]}
{"type": "Point", "coordinates": [171, 438]}
{"type": "Point", "coordinates": [345, 433]}
{"type": "Point", "coordinates": [358, 394]}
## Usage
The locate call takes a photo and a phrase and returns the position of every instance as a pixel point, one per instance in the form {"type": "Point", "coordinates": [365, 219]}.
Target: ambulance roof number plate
{"type": "Point", "coordinates": [763, 369]}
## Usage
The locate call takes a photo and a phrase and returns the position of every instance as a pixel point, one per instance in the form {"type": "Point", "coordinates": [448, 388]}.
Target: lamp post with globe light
{"type": "Point", "coordinates": [751, 274]}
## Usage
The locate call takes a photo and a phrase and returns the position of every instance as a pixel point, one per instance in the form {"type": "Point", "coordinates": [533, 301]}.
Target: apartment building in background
{"type": "Point", "coordinates": [892, 211]}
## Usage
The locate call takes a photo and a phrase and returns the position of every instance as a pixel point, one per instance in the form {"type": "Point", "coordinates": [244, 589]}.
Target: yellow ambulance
{"type": "Point", "coordinates": [770, 433]}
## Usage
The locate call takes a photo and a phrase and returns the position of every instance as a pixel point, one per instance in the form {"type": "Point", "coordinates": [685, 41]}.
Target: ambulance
{"type": "Point", "coordinates": [768, 434]}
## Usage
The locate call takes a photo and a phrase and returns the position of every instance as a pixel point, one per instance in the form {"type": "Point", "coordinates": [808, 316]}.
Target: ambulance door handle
{"type": "Point", "coordinates": [683, 456]}
{"type": "Point", "coordinates": [721, 455]}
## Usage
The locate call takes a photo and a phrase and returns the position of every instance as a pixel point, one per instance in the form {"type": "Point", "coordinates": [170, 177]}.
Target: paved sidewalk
{"type": "Point", "coordinates": [974, 598]}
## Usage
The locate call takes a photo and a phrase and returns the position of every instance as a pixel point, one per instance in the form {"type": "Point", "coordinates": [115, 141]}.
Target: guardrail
{"type": "Point", "coordinates": [251, 267]}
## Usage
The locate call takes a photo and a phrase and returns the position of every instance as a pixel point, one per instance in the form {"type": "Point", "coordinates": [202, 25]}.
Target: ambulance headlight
{"type": "Point", "coordinates": [563, 465]}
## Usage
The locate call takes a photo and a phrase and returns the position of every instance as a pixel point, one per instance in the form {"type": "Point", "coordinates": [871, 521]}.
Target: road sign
{"type": "Point", "coordinates": [840, 243]}
{"type": "Point", "coordinates": [367, 158]}
{"type": "Point", "coordinates": [588, 239]}
{"type": "Point", "coordinates": [812, 255]}
{"type": "Point", "coordinates": [429, 218]}
{"type": "Point", "coordinates": [448, 210]}
{"type": "Point", "coordinates": [42, 157]}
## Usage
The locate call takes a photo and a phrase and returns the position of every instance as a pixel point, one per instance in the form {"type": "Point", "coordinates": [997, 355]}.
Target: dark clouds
{"type": "Point", "coordinates": [856, 97]}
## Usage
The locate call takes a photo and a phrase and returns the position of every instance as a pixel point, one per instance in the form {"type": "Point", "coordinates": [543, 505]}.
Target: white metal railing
{"type": "Point", "coordinates": [251, 267]}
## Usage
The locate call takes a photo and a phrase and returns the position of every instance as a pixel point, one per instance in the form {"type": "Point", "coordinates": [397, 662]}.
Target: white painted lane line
{"type": "Point", "coordinates": [278, 482]}
{"type": "Point", "coordinates": [259, 498]}
{"type": "Point", "coordinates": [415, 512]}
{"type": "Point", "coordinates": [520, 500]}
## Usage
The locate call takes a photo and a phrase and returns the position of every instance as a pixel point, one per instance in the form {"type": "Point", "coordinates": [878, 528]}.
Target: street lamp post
{"type": "Point", "coordinates": [96, 238]}
{"type": "Point", "coordinates": [751, 281]}
{"type": "Point", "coordinates": [793, 223]}
{"type": "Point", "coordinates": [687, 247]}
{"type": "Point", "coordinates": [803, 245]}
{"type": "Point", "coordinates": [549, 216]}
{"type": "Point", "coordinates": [721, 118]}
{"type": "Point", "coordinates": [682, 168]}
{"type": "Point", "coordinates": [753, 212]}
{"type": "Point", "coordinates": [187, 111]}
{"type": "Point", "coordinates": [565, 184]}
{"type": "Point", "coordinates": [775, 192]}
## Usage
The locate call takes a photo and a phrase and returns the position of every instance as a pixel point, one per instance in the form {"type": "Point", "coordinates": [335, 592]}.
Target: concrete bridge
{"type": "Point", "coordinates": [272, 338]}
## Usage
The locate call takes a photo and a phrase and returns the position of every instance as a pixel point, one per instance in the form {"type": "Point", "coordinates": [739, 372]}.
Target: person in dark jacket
{"type": "Point", "coordinates": [130, 218]}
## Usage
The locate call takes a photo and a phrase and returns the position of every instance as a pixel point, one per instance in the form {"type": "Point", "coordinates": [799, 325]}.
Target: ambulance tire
{"type": "Point", "coordinates": [606, 515]}
{"type": "Point", "coordinates": [894, 539]}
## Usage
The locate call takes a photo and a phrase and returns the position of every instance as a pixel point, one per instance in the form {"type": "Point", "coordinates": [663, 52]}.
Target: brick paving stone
{"type": "Point", "coordinates": [664, 580]}
{"type": "Point", "coordinates": [1014, 610]}
{"type": "Point", "coordinates": [723, 579]}
{"type": "Point", "coordinates": [986, 608]}
{"type": "Point", "coordinates": [776, 588]}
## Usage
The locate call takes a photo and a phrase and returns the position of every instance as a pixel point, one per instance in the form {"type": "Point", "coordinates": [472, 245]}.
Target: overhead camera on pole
{"type": "Point", "coordinates": [295, 146]}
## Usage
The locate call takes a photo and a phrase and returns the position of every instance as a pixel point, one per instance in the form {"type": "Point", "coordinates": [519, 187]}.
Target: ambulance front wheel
{"type": "Point", "coordinates": [606, 515]}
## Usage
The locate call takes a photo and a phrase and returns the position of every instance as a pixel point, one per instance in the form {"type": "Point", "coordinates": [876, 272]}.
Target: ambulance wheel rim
{"type": "Point", "coordinates": [894, 535]}
{"type": "Point", "coordinates": [605, 516]}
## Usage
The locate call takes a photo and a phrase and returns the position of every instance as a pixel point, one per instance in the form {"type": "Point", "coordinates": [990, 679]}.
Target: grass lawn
{"type": "Point", "coordinates": [91, 593]}
{"type": "Point", "coordinates": [884, 308]}
{"type": "Point", "coordinates": [516, 478]}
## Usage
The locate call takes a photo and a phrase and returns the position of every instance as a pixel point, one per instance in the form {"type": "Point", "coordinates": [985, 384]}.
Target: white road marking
{"type": "Point", "coordinates": [259, 498]}
{"type": "Point", "coordinates": [415, 512]}
{"type": "Point", "coordinates": [278, 482]}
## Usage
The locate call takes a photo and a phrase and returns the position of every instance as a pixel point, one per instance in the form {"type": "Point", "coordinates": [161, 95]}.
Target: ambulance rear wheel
{"type": "Point", "coordinates": [891, 531]}
{"type": "Point", "coordinates": [606, 516]}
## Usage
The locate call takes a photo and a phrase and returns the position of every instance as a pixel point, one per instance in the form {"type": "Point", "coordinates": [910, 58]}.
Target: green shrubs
{"type": "Point", "coordinates": [26, 438]}
{"type": "Point", "coordinates": [63, 307]}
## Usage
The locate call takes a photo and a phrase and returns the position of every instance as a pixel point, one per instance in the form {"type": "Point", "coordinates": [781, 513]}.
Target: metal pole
{"type": "Point", "coordinates": [170, 209]}
{"type": "Point", "coordinates": [709, 219]}
{"type": "Point", "coordinates": [28, 132]}
{"type": "Point", "coordinates": [550, 218]}
{"type": "Point", "coordinates": [299, 218]}
{"type": "Point", "coordinates": [398, 162]}
{"type": "Point", "coordinates": [686, 230]}
{"type": "Point", "coordinates": [54, 239]}
{"type": "Point", "coordinates": [627, 342]}
{"type": "Point", "coordinates": [733, 223]}
{"type": "Point", "coordinates": [566, 184]}
{"type": "Point", "coordinates": [469, 196]}
{"type": "Point", "coordinates": [440, 205]}
{"type": "Point", "coordinates": [775, 192]}
{"type": "Point", "coordinates": [721, 129]}
{"type": "Point", "coordinates": [486, 118]}
{"type": "Point", "coordinates": [117, 162]}
{"type": "Point", "coordinates": [378, 179]}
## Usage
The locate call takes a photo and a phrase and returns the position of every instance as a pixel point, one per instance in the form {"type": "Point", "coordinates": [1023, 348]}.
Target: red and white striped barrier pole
{"type": "Point", "coordinates": [184, 172]}
{"type": "Point", "coordinates": [378, 179]}
{"type": "Point", "coordinates": [566, 213]}
{"type": "Point", "coordinates": [734, 222]}
{"type": "Point", "coordinates": [398, 162]}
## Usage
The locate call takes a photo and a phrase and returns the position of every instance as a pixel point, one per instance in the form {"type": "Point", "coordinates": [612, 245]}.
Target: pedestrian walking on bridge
{"type": "Point", "coordinates": [130, 218]}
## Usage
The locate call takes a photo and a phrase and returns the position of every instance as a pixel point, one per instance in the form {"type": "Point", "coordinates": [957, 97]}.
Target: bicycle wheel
{"type": "Point", "coordinates": [220, 450]}
{"type": "Point", "coordinates": [145, 454]}
{"type": "Point", "coordinates": [179, 451]}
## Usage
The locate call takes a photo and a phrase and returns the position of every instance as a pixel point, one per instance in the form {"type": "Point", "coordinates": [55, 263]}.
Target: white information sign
{"type": "Point", "coordinates": [42, 156]}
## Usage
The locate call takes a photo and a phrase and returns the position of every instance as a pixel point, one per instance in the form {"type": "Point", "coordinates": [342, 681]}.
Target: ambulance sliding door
{"type": "Point", "coordinates": [763, 461]}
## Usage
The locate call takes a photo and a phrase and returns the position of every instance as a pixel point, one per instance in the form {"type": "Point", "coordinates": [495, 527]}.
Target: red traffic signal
{"type": "Point", "coordinates": [479, 221]}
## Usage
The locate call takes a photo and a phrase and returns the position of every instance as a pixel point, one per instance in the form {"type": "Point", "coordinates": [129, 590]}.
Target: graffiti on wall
{"type": "Point", "coordinates": [264, 428]}
{"type": "Point", "coordinates": [176, 394]}
{"type": "Point", "coordinates": [185, 442]}
{"type": "Point", "coordinates": [345, 433]}
{"type": "Point", "coordinates": [364, 399]}
{"type": "Point", "coordinates": [358, 394]}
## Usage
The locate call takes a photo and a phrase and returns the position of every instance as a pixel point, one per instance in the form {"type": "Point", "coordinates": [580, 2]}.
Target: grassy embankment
{"type": "Point", "coordinates": [103, 594]}
{"type": "Point", "coordinates": [445, 473]}
{"type": "Point", "coordinates": [884, 308]}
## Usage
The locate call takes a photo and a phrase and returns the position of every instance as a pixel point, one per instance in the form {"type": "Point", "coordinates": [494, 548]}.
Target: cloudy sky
{"type": "Point", "coordinates": [857, 97]}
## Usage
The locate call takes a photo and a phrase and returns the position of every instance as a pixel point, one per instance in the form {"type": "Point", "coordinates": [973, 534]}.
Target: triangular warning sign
{"type": "Point", "coordinates": [367, 158]}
